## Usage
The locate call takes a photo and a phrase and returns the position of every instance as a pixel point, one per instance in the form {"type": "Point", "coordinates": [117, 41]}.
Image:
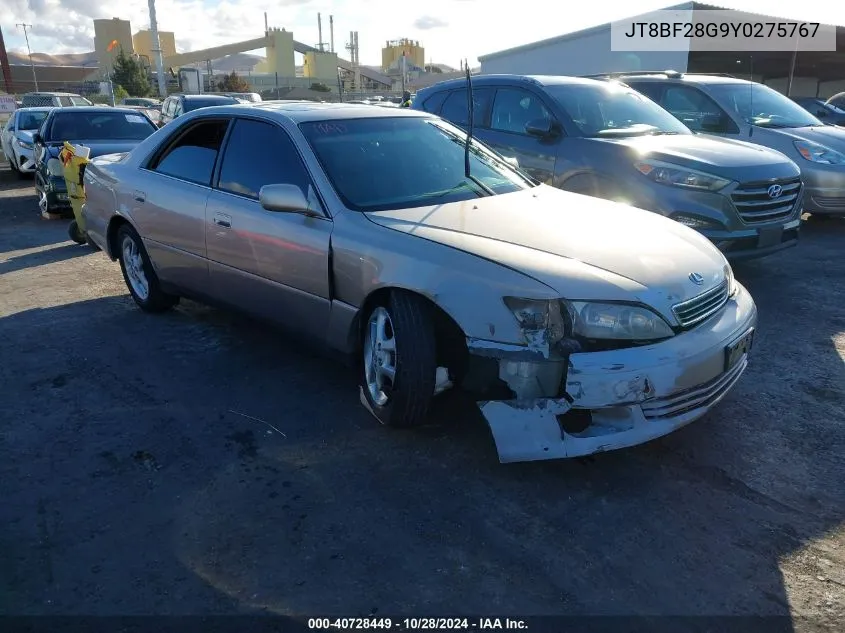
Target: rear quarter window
{"type": "Point", "coordinates": [433, 102]}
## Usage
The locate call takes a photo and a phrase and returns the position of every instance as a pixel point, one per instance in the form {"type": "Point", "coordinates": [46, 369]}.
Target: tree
{"type": "Point", "coordinates": [233, 83]}
{"type": "Point", "coordinates": [131, 74]}
{"type": "Point", "coordinates": [120, 93]}
{"type": "Point", "coordinates": [320, 87]}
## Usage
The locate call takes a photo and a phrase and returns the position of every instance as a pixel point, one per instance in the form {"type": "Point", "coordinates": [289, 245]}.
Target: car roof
{"type": "Point", "coordinates": [52, 94]}
{"type": "Point", "coordinates": [305, 111]}
{"type": "Point", "coordinates": [513, 80]}
{"type": "Point", "coordinates": [36, 109]}
{"type": "Point", "coordinates": [682, 77]}
{"type": "Point", "coordinates": [96, 109]}
{"type": "Point", "coordinates": [207, 96]}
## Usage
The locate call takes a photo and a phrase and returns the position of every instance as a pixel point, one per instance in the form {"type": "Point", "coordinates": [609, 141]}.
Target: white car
{"type": "Point", "coordinates": [16, 138]}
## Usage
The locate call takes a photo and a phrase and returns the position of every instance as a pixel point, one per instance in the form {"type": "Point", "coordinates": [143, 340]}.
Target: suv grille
{"type": "Point", "coordinates": [754, 204]}
{"type": "Point", "coordinates": [698, 308]}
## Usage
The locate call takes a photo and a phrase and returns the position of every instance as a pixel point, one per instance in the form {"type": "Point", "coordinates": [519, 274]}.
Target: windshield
{"type": "Point", "coordinates": [80, 101]}
{"type": "Point", "coordinates": [601, 110]}
{"type": "Point", "coordinates": [196, 104]}
{"type": "Point", "coordinates": [377, 164]}
{"type": "Point", "coordinates": [31, 120]}
{"type": "Point", "coordinates": [759, 105]}
{"type": "Point", "coordinates": [123, 126]}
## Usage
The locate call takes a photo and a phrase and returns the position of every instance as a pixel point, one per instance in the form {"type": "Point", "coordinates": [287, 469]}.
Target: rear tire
{"type": "Point", "coordinates": [138, 273]}
{"type": "Point", "coordinates": [398, 361]}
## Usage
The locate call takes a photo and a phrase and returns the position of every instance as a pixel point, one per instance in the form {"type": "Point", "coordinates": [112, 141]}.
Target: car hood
{"type": "Point", "coordinates": [829, 135]}
{"type": "Point", "coordinates": [25, 135]}
{"type": "Point", "coordinates": [98, 148]}
{"type": "Point", "coordinates": [582, 247]}
{"type": "Point", "coordinates": [728, 158]}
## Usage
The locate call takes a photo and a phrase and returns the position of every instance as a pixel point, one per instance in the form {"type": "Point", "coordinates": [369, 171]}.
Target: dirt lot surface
{"type": "Point", "coordinates": [199, 463]}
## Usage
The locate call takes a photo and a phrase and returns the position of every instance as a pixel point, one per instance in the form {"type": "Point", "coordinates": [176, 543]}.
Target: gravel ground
{"type": "Point", "coordinates": [200, 463]}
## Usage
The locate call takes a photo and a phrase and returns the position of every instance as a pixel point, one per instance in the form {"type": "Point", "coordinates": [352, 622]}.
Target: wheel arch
{"type": "Point", "coordinates": [114, 225]}
{"type": "Point", "coordinates": [448, 333]}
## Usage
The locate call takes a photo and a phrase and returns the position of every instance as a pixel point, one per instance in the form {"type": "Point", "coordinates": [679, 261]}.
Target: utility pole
{"type": "Point", "coordinates": [162, 83]}
{"type": "Point", "coordinates": [29, 50]}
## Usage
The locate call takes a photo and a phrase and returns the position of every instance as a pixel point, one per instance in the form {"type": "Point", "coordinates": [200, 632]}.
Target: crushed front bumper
{"type": "Point", "coordinates": [622, 397]}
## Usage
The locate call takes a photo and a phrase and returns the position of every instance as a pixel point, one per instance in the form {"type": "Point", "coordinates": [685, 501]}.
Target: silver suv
{"type": "Point", "coordinates": [53, 100]}
{"type": "Point", "coordinates": [743, 110]}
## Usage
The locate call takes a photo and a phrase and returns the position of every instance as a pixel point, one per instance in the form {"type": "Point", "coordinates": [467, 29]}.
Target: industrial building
{"type": "Point", "coordinates": [142, 42]}
{"type": "Point", "coordinates": [106, 32]}
{"type": "Point", "coordinates": [395, 50]}
{"type": "Point", "coordinates": [587, 52]}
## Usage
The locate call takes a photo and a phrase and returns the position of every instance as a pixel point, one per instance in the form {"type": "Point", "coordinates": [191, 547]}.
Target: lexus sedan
{"type": "Point", "coordinates": [16, 138]}
{"type": "Point", "coordinates": [580, 325]}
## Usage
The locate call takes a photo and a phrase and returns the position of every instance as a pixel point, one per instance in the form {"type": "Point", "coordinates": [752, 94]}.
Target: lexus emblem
{"type": "Point", "coordinates": [696, 279]}
{"type": "Point", "coordinates": [774, 191]}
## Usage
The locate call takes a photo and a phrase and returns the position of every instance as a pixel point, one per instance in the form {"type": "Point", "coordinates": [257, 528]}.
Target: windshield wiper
{"type": "Point", "coordinates": [461, 185]}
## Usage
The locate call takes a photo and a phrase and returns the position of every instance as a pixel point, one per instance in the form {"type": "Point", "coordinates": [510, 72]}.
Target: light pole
{"type": "Point", "coordinates": [29, 50]}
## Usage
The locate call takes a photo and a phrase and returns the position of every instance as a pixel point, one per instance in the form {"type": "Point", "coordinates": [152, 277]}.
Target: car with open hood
{"type": "Point", "coordinates": [579, 325]}
{"type": "Point", "coordinates": [105, 130]}
{"type": "Point", "coordinates": [16, 138]}
{"type": "Point", "coordinates": [606, 140]}
{"type": "Point", "coordinates": [742, 110]}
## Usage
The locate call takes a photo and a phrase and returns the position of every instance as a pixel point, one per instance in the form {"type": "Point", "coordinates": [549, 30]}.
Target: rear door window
{"type": "Point", "coordinates": [193, 155]}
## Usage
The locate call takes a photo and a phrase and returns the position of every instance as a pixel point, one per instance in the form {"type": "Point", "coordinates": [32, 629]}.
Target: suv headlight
{"type": "Point", "coordinates": [817, 153]}
{"type": "Point", "coordinates": [677, 176]}
{"type": "Point", "coordinates": [541, 320]}
{"type": "Point", "coordinates": [23, 143]}
{"type": "Point", "coordinates": [617, 321]}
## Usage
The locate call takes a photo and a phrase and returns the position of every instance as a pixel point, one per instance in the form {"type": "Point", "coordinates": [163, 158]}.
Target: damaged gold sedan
{"type": "Point", "coordinates": [579, 325]}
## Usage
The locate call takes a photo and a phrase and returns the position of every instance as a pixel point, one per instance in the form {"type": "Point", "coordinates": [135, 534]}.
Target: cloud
{"type": "Point", "coordinates": [427, 22]}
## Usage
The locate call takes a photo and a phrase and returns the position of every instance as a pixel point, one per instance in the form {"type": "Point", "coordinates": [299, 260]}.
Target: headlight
{"type": "Point", "coordinates": [816, 153]}
{"type": "Point", "coordinates": [24, 144]}
{"type": "Point", "coordinates": [675, 175]}
{"type": "Point", "coordinates": [541, 320]}
{"type": "Point", "coordinates": [617, 321]}
{"type": "Point", "coordinates": [729, 277]}
{"type": "Point", "coordinates": [54, 166]}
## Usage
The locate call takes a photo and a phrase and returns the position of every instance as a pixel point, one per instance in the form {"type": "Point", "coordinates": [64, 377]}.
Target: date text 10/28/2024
{"type": "Point", "coordinates": [417, 624]}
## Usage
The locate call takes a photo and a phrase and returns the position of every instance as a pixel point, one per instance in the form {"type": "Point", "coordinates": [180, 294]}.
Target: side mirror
{"type": "Point", "coordinates": [37, 139]}
{"type": "Point", "coordinates": [540, 128]}
{"type": "Point", "coordinates": [284, 198]}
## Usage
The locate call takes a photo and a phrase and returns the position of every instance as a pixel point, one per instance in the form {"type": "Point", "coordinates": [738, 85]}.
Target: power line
{"type": "Point", "coordinates": [29, 50]}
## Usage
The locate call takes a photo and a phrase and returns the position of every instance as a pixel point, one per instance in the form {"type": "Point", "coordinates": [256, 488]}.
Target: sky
{"type": "Point", "coordinates": [450, 30]}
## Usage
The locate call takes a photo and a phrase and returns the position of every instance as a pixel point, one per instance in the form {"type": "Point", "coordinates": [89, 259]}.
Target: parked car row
{"type": "Point", "coordinates": [583, 226]}
{"type": "Point", "coordinates": [689, 147]}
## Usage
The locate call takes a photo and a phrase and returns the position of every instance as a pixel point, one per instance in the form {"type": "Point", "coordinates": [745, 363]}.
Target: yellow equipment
{"type": "Point", "coordinates": [73, 160]}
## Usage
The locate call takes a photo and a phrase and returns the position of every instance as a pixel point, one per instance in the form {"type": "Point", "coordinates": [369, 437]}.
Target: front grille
{"type": "Point", "coordinates": [754, 204]}
{"type": "Point", "coordinates": [695, 398]}
{"type": "Point", "coordinates": [698, 308]}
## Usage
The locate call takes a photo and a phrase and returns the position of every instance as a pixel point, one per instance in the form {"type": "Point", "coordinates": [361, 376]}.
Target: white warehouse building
{"type": "Point", "coordinates": [589, 52]}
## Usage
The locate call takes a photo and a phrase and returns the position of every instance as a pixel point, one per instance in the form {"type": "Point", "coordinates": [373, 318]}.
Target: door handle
{"type": "Point", "coordinates": [139, 196]}
{"type": "Point", "coordinates": [221, 219]}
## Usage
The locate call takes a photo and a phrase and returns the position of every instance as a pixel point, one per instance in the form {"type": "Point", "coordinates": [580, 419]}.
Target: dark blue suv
{"type": "Point", "coordinates": [603, 139]}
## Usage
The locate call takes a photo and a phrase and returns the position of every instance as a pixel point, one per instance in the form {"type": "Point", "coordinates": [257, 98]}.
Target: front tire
{"type": "Point", "coordinates": [138, 273]}
{"type": "Point", "coordinates": [398, 360]}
